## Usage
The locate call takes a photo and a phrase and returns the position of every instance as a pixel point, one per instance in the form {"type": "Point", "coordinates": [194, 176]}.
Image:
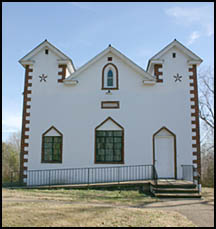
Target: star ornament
{"type": "Point", "coordinates": [43, 77]}
{"type": "Point", "coordinates": [177, 77]}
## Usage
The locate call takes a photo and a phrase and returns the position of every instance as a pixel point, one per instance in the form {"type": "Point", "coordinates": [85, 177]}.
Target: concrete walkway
{"type": "Point", "coordinates": [199, 211]}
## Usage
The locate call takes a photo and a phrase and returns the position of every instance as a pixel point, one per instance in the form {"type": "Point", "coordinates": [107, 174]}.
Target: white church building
{"type": "Point", "coordinates": [109, 116]}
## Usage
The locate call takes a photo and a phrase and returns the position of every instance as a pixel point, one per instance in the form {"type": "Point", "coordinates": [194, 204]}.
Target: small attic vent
{"type": "Point", "coordinates": [109, 58]}
{"type": "Point", "coordinates": [174, 55]}
{"type": "Point", "coordinates": [46, 51]}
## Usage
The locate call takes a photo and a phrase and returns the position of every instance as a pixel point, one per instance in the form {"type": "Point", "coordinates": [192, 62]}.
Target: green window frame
{"type": "Point", "coordinates": [109, 146]}
{"type": "Point", "coordinates": [52, 149]}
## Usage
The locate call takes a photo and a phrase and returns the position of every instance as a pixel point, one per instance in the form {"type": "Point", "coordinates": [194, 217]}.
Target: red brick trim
{"type": "Point", "coordinates": [195, 113]}
{"type": "Point", "coordinates": [25, 152]}
{"type": "Point", "coordinates": [62, 73]}
{"type": "Point", "coordinates": [157, 73]}
{"type": "Point", "coordinates": [26, 113]}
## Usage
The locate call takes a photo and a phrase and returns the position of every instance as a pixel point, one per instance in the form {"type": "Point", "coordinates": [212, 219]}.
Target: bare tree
{"type": "Point", "coordinates": [206, 97]}
{"type": "Point", "coordinates": [207, 161]}
{"type": "Point", "coordinates": [10, 157]}
{"type": "Point", "coordinates": [206, 114]}
{"type": "Point", "coordinates": [15, 140]}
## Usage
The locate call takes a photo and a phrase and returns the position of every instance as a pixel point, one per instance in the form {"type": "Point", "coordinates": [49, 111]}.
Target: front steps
{"type": "Point", "coordinates": [174, 189]}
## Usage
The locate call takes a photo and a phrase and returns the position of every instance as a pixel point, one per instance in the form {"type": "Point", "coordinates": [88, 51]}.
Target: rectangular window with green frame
{"type": "Point", "coordinates": [109, 146]}
{"type": "Point", "coordinates": [52, 149]}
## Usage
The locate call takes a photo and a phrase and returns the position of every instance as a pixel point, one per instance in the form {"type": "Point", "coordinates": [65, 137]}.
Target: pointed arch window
{"type": "Point", "coordinates": [110, 77]}
{"type": "Point", "coordinates": [52, 141]}
{"type": "Point", "coordinates": [109, 143]}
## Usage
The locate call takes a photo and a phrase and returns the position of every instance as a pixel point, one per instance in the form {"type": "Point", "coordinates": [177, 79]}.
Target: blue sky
{"type": "Point", "coordinates": [81, 30]}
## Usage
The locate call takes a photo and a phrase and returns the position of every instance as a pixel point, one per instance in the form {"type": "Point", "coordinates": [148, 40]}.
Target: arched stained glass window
{"type": "Point", "coordinates": [110, 78]}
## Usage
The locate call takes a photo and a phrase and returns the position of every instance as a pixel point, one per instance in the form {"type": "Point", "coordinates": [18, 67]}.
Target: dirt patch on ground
{"type": "Point", "coordinates": [99, 208]}
{"type": "Point", "coordinates": [62, 208]}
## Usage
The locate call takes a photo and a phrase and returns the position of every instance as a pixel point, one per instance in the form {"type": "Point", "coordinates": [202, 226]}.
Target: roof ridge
{"type": "Point", "coordinates": [167, 47]}
{"type": "Point", "coordinates": [117, 53]}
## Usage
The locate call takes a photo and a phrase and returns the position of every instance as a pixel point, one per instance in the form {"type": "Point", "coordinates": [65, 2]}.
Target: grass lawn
{"type": "Point", "coordinates": [208, 194]}
{"type": "Point", "coordinates": [83, 208]}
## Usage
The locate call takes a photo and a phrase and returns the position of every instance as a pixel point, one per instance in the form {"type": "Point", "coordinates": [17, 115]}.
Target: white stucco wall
{"type": "Point", "coordinates": [75, 110]}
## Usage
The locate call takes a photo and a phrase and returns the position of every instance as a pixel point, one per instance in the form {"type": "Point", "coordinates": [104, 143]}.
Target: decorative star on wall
{"type": "Point", "coordinates": [43, 77]}
{"type": "Point", "coordinates": [177, 77]}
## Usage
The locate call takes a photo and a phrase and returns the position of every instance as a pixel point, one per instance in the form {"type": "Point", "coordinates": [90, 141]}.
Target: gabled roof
{"type": "Point", "coordinates": [181, 47]}
{"type": "Point", "coordinates": [110, 49]}
{"type": "Point", "coordinates": [28, 57]}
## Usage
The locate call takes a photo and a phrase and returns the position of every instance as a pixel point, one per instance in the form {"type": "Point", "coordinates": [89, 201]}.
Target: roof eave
{"type": "Point", "coordinates": [196, 62]}
{"type": "Point", "coordinates": [132, 64]}
{"type": "Point", "coordinates": [176, 43]}
{"type": "Point", "coordinates": [26, 62]}
{"type": "Point", "coordinates": [54, 49]}
{"type": "Point", "coordinates": [83, 67]}
{"type": "Point", "coordinates": [117, 53]}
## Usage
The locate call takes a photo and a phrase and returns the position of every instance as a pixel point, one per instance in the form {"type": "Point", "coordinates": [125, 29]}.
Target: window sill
{"type": "Point", "coordinates": [109, 162]}
{"type": "Point", "coordinates": [109, 88]}
{"type": "Point", "coordinates": [51, 162]}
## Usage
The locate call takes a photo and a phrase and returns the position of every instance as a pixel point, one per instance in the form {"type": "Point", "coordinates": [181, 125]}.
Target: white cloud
{"type": "Point", "coordinates": [194, 36]}
{"type": "Point", "coordinates": [200, 17]}
{"type": "Point", "coordinates": [82, 5]}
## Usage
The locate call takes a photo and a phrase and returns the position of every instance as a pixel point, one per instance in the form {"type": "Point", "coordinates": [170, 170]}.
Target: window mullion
{"type": "Point", "coordinates": [105, 150]}
{"type": "Point", "coordinates": [53, 148]}
{"type": "Point", "coordinates": [113, 145]}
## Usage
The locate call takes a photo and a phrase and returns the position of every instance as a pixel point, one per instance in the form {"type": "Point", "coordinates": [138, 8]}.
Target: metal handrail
{"type": "Point", "coordinates": [187, 172]}
{"type": "Point", "coordinates": [155, 175]}
{"type": "Point", "coordinates": [89, 167]}
{"type": "Point", "coordinates": [198, 178]}
{"type": "Point", "coordinates": [90, 175]}
{"type": "Point", "coordinates": [191, 173]}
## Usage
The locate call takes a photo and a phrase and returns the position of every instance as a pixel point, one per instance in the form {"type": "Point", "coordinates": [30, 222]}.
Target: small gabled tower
{"type": "Point", "coordinates": [175, 67]}
{"type": "Point", "coordinates": [45, 69]}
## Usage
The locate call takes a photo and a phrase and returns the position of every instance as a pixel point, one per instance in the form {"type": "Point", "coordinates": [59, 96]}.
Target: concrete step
{"type": "Point", "coordinates": [177, 195]}
{"type": "Point", "coordinates": [180, 186]}
{"type": "Point", "coordinates": [175, 190]}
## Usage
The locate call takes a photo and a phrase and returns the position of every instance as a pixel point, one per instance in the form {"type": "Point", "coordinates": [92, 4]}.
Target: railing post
{"type": "Point", "coordinates": [183, 175]}
{"type": "Point", "coordinates": [193, 172]}
{"type": "Point", "coordinates": [155, 176]}
{"type": "Point", "coordinates": [118, 175]}
{"type": "Point", "coordinates": [199, 184]}
{"type": "Point", "coordinates": [49, 177]}
{"type": "Point", "coordinates": [88, 176]}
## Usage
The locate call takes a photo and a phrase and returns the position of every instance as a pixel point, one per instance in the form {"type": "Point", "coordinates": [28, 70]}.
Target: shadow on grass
{"type": "Point", "coordinates": [189, 203]}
